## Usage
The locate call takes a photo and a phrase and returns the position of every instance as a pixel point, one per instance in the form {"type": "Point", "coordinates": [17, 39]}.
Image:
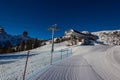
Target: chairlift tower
{"type": "Point", "coordinates": [53, 28]}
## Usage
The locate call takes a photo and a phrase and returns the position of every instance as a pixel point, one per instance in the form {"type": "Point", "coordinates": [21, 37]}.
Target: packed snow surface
{"type": "Point", "coordinates": [12, 65]}
{"type": "Point", "coordinates": [97, 62]}
{"type": "Point", "coordinates": [88, 63]}
{"type": "Point", "coordinates": [74, 68]}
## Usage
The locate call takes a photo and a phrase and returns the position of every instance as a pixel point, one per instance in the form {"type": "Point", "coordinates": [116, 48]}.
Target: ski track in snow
{"type": "Point", "coordinates": [73, 68]}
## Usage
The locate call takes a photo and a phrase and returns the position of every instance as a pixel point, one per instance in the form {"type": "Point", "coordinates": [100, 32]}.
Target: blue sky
{"type": "Point", "coordinates": [36, 16]}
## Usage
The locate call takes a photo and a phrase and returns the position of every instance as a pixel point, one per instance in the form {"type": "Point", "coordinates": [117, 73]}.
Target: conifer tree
{"type": "Point", "coordinates": [36, 43]}
{"type": "Point", "coordinates": [22, 45]}
{"type": "Point", "coordinates": [29, 45]}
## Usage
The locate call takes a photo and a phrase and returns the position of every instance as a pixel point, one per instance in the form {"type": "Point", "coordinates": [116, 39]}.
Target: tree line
{"type": "Point", "coordinates": [22, 46]}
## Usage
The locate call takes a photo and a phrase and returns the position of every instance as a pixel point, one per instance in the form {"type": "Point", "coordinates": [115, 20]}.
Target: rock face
{"type": "Point", "coordinates": [3, 34]}
{"type": "Point", "coordinates": [79, 37]}
{"type": "Point", "coordinates": [1, 30]}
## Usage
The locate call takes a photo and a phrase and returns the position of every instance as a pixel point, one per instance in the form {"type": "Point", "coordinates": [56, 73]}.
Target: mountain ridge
{"type": "Point", "coordinates": [109, 37]}
{"type": "Point", "coordinates": [12, 40]}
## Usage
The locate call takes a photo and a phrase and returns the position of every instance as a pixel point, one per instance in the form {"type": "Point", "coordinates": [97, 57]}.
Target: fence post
{"type": "Point", "coordinates": [61, 54]}
{"type": "Point", "coordinates": [26, 65]}
{"type": "Point", "coordinates": [67, 53]}
{"type": "Point", "coordinates": [71, 50]}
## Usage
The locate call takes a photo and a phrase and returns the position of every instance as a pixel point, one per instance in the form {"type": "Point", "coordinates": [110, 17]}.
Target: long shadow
{"type": "Point", "coordinates": [19, 56]}
{"type": "Point", "coordinates": [5, 62]}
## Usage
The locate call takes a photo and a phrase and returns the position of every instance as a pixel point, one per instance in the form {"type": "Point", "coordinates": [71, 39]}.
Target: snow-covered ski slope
{"type": "Point", "coordinates": [73, 68]}
{"type": "Point", "coordinates": [88, 63]}
{"type": "Point", "coordinates": [105, 61]}
{"type": "Point", "coordinates": [12, 65]}
{"type": "Point", "coordinates": [97, 62]}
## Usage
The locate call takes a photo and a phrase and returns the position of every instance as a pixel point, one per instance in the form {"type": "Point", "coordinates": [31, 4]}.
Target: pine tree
{"type": "Point", "coordinates": [35, 43]}
{"type": "Point", "coordinates": [22, 46]}
{"type": "Point", "coordinates": [8, 47]}
{"type": "Point", "coordinates": [29, 45]}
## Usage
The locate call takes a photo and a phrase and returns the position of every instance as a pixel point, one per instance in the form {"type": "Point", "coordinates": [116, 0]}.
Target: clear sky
{"type": "Point", "coordinates": [36, 16]}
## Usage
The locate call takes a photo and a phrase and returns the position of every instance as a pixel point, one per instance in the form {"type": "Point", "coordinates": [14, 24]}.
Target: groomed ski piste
{"type": "Point", "coordinates": [92, 62]}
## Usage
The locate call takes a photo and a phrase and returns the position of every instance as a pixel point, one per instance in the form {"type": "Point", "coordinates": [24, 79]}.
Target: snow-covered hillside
{"type": "Point", "coordinates": [103, 60]}
{"type": "Point", "coordinates": [12, 65]}
{"type": "Point", "coordinates": [109, 37]}
{"type": "Point", "coordinates": [97, 62]}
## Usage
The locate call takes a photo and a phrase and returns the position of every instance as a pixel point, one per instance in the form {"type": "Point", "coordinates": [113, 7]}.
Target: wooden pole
{"type": "Point", "coordinates": [26, 65]}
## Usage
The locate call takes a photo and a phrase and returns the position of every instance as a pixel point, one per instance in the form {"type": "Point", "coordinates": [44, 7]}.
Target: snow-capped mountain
{"type": "Point", "coordinates": [4, 35]}
{"type": "Point", "coordinates": [11, 40]}
{"type": "Point", "coordinates": [111, 37]}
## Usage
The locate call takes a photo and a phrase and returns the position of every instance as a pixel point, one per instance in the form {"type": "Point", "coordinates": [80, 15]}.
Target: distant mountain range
{"type": "Point", "coordinates": [11, 40]}
{"type": "Point", "coordinates": [106, 37]}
